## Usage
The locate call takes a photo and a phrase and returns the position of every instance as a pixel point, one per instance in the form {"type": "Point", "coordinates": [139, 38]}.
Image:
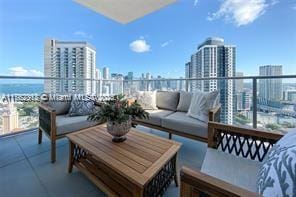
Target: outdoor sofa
{"type": "Point", "coordinates": [171, 116]}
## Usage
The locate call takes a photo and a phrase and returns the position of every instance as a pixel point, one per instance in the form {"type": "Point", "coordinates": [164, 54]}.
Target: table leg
{"type": "Point", "coordinates": [71, 159]}
{"type": "Point", "coordinates": [176, 172]}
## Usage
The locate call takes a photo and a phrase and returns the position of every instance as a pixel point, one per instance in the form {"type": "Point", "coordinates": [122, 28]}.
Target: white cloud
{"type": "Point", "coordinates": [274, 2]}
{"type": "Point", "coordinates": [166, 43]}
{"type": "Point", "coordinates": [241, 12]}
{"type": "Point", "coordinates": [21, 71]}
{"type": "Point", "coordinates": [195, 3]}
{"type": "Point", "coordinates": [139, 46]}
{"type": "Point", "coordinates": [83, 34]}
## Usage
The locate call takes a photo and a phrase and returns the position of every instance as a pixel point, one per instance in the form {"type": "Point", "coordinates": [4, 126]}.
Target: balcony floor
{"type": "Point", "coordinates": [26, 170]}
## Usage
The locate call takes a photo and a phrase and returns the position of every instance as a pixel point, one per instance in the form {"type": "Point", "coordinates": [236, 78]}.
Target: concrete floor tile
{"type": "Point", "coordinates": [10, 152]}
{"type": "Point", "coordinates": [18, 179]}
{"type": "Point", "coordinates": [30, 146]}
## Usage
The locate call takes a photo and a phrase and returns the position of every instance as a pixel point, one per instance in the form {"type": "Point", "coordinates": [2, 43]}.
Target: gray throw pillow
{"type": "Point", "coordinates": [277, 176]}
{"type": "Point", "coordinates": [81, 108]}
{"type": "Point", "coordinates": [167, 100]}
{"type": "Point", "coordinates": [184, 101]}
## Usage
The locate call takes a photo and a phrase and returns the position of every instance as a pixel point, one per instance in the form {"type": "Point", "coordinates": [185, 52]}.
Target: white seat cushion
{"type": "Point", "coordinates": [232, 169]}
{"type": "Point", "coordinates": [68, 124]}
{"type": "Point", "coordinates": [155, 116]}
{"type": "Point", "coordinates": [179, 121]}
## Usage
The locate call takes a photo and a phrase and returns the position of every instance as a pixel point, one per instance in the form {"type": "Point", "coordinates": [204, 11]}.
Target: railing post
{"type": "Point", "coordinates": [100, 87]}
{"type": "Point", "coordinates": [254, 104]}
{"type": "Point", "coordinates": [147, 85]}
{"type": "Point", "coordinates": [186, 85]}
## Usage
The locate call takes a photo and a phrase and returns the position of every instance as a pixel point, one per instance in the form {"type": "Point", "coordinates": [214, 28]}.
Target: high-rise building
{"type": "Point", "coordinates": [65, 59]}
{"type": "Point", "coordinates": [130, 76]}
{"type": "Point", "coordinates": [215, 59]}
{"type": "Point", "coordinates": [243, 101]}
{"type": "Point", "coordinates": [98, 74]}
{"type": "Point", "coordinates": [188, 70]}
{"type": "Point", "coordinates": [239, 83]}
{"type": "Point", "coordinates": [271, 89]}
{"type": "Point", "coordinates": [106, 74]}
{"type": "Point", "coordinates": [10, 119]}
{"type": "Point", "coordinates": [148, 83]}
{"type": "Point", "coordinates": [117, 86]}
{"type": "Point", "coordinates": [290, 95]}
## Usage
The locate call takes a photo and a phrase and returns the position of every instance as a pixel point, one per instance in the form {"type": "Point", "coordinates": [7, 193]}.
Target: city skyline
{"type": "Point", "coordinates": [140, 46]}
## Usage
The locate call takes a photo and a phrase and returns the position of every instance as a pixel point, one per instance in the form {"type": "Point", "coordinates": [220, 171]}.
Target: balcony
{"type": "Point", "coordinates": [26, 164]}
{"type": "Point", "coordinates": [26, 170]}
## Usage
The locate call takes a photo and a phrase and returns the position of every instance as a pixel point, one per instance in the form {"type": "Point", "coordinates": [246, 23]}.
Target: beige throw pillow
{"type": "Point", "coordinates": [147, 99]}
{"type": "Point", "coordinates": [201, 103]}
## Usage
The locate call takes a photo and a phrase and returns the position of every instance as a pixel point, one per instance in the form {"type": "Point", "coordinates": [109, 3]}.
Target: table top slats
{"type": "Point", "coordinates": [155, 138]}
{"type": "Point", "coordinates": [126, 147]}
{"type": "Point", "coordinates": [137, 159]}
{"type": "Point", "coordinates": [151, 154]}
{"type": "Point", "coordinates": [146, 144]}
{"type": "Point", "coordinates": [124, 152]}
{"type": "Point", "coordinates": [112, 153]}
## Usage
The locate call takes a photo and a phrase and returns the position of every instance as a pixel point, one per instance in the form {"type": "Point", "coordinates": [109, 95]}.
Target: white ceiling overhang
{"type": "Point", "coordinates": [125, 11]}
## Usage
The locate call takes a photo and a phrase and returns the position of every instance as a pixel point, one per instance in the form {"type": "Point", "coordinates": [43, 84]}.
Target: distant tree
{"type": "Point", "coordinates": [241, 119]}
{"type": "Point", "coordinates": [272, 126]}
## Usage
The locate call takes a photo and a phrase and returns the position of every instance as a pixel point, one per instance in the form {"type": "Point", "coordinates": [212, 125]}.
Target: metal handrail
{"type": "Point", "coordinates": [154, 79]}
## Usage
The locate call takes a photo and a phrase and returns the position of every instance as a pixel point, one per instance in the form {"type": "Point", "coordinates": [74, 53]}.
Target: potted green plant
{"type": "Point", "coordinates": [119, 113]}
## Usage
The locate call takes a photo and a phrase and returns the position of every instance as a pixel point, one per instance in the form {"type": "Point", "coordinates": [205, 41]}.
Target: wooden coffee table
{"type": "Point", "coordinates": [143, 165]}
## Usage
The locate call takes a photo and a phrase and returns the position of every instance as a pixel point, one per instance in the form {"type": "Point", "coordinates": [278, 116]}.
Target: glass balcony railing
{"type": "Point", "coordinates": [267, 102]}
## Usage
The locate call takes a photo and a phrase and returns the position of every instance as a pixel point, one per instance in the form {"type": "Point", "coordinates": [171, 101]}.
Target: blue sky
{"type": "Point", "coordinates": [264, 32]}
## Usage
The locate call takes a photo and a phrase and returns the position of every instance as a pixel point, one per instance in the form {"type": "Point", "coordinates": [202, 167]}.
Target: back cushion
{"type": "Point", "coordinates": [61, 107]}
{"type": "Point", "coordinates": [167, 100]}
{"type": "Point", "coordinates": [184, 102]}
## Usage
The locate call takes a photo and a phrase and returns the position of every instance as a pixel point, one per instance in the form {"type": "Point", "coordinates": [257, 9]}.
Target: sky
{"type": "Point", "coordinates": [264, 32]}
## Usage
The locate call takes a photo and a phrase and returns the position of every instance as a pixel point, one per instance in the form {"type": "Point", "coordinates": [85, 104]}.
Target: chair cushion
{"type": "Point", "coordinates": [61, 107]}
{"type": "Point", "coordinates": [68, 124]}
{"type": "Point", "coordinates": [155, 116]}
{"type": "Point", "coordinates": [184, 101]}
{"type": "Point", "coordinates": [167, 100]}
{"type": "Point", "coordinates": [179, 121]}
{"type": "Point", "coordinates": [277, 176]}
{"type": "Point", "coordinates": [236, 170]}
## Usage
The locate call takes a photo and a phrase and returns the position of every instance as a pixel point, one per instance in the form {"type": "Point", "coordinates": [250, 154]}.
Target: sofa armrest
{"type": "Point", "coordinates": [246, 142]}
{"type": "Point", "coordinates": [196, 183]}
{"type": "Point", "coordinates": [47, 120]}
{"type": "Point", "coordinates": [214, 114]}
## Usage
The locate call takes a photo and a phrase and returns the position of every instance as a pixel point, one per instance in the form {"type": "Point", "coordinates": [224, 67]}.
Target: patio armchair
{"type": "Point", "coordinates": [231, 163]}
{"type": "Point", "coordinates": [55, 122]}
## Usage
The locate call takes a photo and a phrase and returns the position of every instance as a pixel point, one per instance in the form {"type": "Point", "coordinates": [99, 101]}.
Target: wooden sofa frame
{"type": "Point", "coordinates": [214, 115]}
{"type": "Point", "coordinates": [195, 183]}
